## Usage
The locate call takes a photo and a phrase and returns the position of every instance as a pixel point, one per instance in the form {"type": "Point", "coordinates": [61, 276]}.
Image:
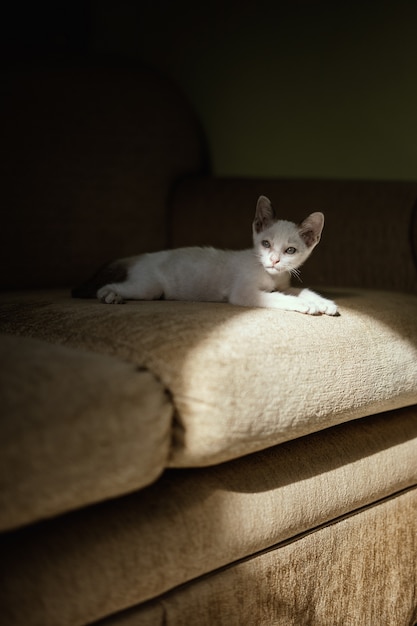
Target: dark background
{"type": "Point", "coordinates": [297, 88]}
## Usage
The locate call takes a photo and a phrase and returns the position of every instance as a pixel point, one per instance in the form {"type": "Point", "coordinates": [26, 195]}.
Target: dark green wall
{"type": "Point", "coordinates": [297, 88]}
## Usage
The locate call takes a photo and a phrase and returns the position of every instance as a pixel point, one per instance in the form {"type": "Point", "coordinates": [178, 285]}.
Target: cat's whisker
{"type": "Point", "coordinates": [295, 272]}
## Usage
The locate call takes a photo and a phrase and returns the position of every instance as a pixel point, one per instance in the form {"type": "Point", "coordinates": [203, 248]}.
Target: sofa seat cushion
{"type": "Point", "coordinates": [76, 428]}
{"type": "Point", "coordinates": [99, 560]}
{"type": "Point", "coordinates": [244, 379]}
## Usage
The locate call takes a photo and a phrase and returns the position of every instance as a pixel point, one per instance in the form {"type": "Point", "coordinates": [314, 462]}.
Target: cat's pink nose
{"type": "Point", "coordinates": [275, 260]}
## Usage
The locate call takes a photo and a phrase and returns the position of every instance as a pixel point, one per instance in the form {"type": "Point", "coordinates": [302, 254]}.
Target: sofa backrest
{"type": "Point", "coordinates": [90, 155]}
{"type": "Point", "coordinates": [369, 238]}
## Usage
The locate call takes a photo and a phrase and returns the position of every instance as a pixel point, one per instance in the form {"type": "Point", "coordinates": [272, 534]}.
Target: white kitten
{"type": "Point", "coordinates": [259, 277]}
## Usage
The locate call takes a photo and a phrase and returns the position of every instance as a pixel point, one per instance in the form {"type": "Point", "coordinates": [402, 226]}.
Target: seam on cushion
{"type": "Point", "coordinates": [177, 428]}
{"type": "Point", "coordinates": [177, 433]}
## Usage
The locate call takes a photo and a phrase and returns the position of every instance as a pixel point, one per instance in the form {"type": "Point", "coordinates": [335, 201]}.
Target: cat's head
{"type": "Point", "coordinates": [283, 246]}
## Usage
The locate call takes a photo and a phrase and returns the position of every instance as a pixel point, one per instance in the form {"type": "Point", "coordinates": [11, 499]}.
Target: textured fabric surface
{"type": "Point", "coordinates": [368, 238]}
{"type": "Point", "coordinates": [90, 153]}
{"type": "Point", "coordinates": [359, 571]}
{"type": "Point", "coordinates": [97, 561]}
{"type": "Point", "coordinates": [76, 428]}
{"type": "Point", "coordinates": [244, 379]}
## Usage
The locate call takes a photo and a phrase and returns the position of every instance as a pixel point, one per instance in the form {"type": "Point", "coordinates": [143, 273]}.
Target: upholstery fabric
{"type": "Point", "coordinates": [76, 428]}
{"type": "Point", "coordinates": [360, 570]}
{"type": "Point", "coordinates": [99, 560]}
{"type": "Point", "coordinates": [244, 379]}
{"type": "Point", "coordinates": [369, 238]}
{"type": "Point", "coordinates": [87, 167]}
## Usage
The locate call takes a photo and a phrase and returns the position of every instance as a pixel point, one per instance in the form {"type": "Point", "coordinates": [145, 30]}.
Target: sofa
{"type": "Point", "coordinates": [181, 463]}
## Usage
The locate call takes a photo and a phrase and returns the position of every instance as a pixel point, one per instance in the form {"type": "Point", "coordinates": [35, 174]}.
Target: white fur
{"type": "Point", "coordinates": [259, 277]}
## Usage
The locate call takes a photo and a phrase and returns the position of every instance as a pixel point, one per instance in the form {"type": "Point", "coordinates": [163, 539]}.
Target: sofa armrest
{"type": "Point", "coordinates": [368, 241]}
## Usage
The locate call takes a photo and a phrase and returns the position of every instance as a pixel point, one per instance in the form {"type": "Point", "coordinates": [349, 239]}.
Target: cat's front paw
{"type": "Point", "coordinates": [330, 308]}
{"type": "Point", "coordinates": [310, 308]}
{"type": "Point", "coordinates": [106, 295]}
{"type": "Point", "coordinates": [325, 307]}
{"type": "Point", "coordinates": [317, 305]}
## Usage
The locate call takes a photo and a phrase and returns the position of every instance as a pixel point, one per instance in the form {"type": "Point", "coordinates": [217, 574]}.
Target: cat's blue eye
{"type": "Point", "coordinates": [266, 244]}
{"type": "Point", "coordinates": [290, 250]}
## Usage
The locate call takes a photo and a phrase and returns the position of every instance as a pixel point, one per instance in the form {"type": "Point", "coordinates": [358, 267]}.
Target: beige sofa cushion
{"type": "Point", "coordinates": [245, 379]}
{"type": "Point", "coordinates": [76, 428]}
{"type": "Point", "coordinates": [96, 561]}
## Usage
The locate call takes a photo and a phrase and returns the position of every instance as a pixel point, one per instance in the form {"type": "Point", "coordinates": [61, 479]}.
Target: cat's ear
{"type": "Point", "coordinates": [264, 216]}
{"type": "Point", "coordinates": [310, 229]}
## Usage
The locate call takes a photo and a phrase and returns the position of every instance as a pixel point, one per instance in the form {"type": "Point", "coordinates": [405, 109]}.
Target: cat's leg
{"type": "Point", "coordinates": [286, 302]}
{"type": "Point", "coordinates": [135, 287]}
{"type": "Point", "coordinates": [118, 293]}
{"type": "Point", "coordinates": [293, 300]}
{"type": "Point", "coordinates": [271, 300]}
{"type": "Point", "coordinates": [111, 294]}
{"type": "Point", "coordinates": [133, 278]}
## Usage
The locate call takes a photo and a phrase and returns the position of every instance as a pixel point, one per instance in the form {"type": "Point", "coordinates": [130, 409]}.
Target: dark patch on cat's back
{"type": "Point", "coordinates": [115, 272]}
